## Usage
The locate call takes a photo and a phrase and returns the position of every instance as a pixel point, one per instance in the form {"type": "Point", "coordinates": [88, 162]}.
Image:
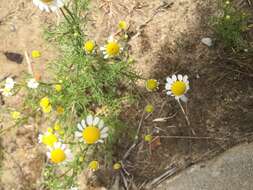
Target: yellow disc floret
{"type": "Point", "coordinates": [57, 155]}
{"type": "Point", "coordinates": [151, 84]}
{"type": "Point", "coordinates": [122, 25]}
{"type": "Point", "coordinates": [49, 139]}
{"type": "Point", "coordinates": [36, 54]}
{"type": "Point", "coordinates": [57, 87]}
{"type": "Point", "coordinates": [16, 115]}
{"type": "Point", "coordinates": [149, 108]}
{"type": "Point", "coordinates": [117, 166]}
{"type": "Point", "coordinates": [89, 46]}
{"type": "Point", "coordinates": [94, 165]}
{"type": "Point", "coordinates": [178, 88]}
{"type": "Point", "coordinates": [112, 49]}
{"type": "Point", "coordinates": [47, 1]}
{"type": "Point", "coordinates": [44, 102]}
{"type": "Point", "coordinates": [91, 134]}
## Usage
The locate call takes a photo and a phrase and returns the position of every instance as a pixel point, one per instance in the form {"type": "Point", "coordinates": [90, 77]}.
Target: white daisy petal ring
{"type": "Point", "coordinates": [91, 130]}
{"type": "Point", "coordinates": [48, 5]}
{"type": "Point", "coordinates": [177, 86]}
{"type": "Point", "coordinates": [59, 154]}
{"type": "Point", "coordinates": [111, 49]}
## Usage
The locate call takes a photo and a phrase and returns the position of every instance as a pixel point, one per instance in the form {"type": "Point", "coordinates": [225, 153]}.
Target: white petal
{"type": "Point", "coordinates": [168, 92]}
{"type": "Point", "coordinates": [57, 145]}
{"type": "Point", "coordinates": [100, 141]}
{"type": "Point", "coordinates": [184, 98]}
{"type": "Point", "coordinates": [174, 78]}
{"type": "Point", "coordinates": [95, 120]}
{"type": "Point", "coordinates": [104, 130]}
{"type": "Point", "coordinates": [63, 146]}
{"type": "Point", "coordinates": [180, 77]}
{"type": "Point", "coordinates": [111, 39]}
{"type": "Point", "coordinates": [78, 134]}
{"type": "Point", "coordinates": [48, 154]}
{"type": "Point", "coordinates": [104, 135]}
{"type": "Point", "coordinates": [102, 48]}
{"type": "Point", "coordinates": [83, 123]}
{"type": "Point", "coordinates": [185, 78]}
{"type": "Point", "coordinates": [168, 86]}
{"type": "Point", "coordinates": [80, 127]}
{"type": "Point", "coordinates": [101, 124]}
{"type": "Point", "coordinates": [169, 80]}
{"type": "Point", "coordinates": [89, 119]}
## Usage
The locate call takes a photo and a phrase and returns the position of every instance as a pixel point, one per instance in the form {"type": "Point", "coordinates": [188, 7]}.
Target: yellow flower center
{"type": "Point", "coordinates": [16, 115]}
{"type": "Point", "coordinates": [44, 102]}
{"type": "Point", "coordinates": [47, 1]}
{"type": "Point", "coordinates": [60, 110]}
{"type": "Point", "coordinates": [89, 46]}
{"type": "Point", "coordinates": [36, 54]}
{"type": "Point", "coordinates": [112, 48]}
{"type": "Point", "coordinates": [58, 156]}
{"type": "Point", "coordinates": [149, 108]}
{"type": "Point", "coordinates": [49, 139]}
{"type": "Point", "coordinates": [148, 138]}
{"type": "Point", "coordinates": [122, 25]}
{"type": "Point", "coordinates": [178, 88]}
{"type": "Point", "coordinates": [57, 87]}
{"type": "Point", "coordinates": [91, 134]}
{"type": "Point", "coordinates": [47, 109]}
{"type": "Point", "coordinates": [94, 165]}
{"type": "Point", "coordinates": [151, 84]}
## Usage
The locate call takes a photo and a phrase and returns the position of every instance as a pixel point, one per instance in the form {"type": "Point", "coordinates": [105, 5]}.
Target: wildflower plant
{"type": "Point", "coordinates": [230, 26]}
{"type": "Point", "coordinates": [81, 103]}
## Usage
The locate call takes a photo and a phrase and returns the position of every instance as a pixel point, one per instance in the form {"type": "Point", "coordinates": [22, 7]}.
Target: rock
{"type": "Point", "coordinates": [207, 41]}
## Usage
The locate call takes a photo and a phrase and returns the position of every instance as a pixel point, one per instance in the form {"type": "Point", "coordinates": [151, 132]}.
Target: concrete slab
{"type": "Point", "coordinates": [233, 170]}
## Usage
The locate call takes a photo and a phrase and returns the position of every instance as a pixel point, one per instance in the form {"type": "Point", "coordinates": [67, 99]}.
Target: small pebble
{"type": "Point", "coordinates": [207, 41]}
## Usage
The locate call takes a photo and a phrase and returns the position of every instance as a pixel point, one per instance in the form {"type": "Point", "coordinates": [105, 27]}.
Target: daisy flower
{"type": "Point", "coordinates": [15, 115]}
{"type": "Point", "coordinates": [177, 86]}
{"type": "Point", "coordinates": [89, 46]}
{"type": "Point", "coordinates": [9, 83]}
{"type": "Point", "coordinates": [122, 25]}
{"type": "Point", "coordinates": [32, 83]}
{"type": "Point", "coordinates": [117, 166]}
{"type": "Point", "coordinates": [59, 153]}
{"type": "Point", "coordinates": [48, 5]}
{"type": "Point", "coordinates": [152, 85]}
{"type": "Point", "coordinates": [36, 54]}
{"type": "Point", "coordinates": [6, 91]}
{"type": "Point", "coordinates": [45, 105]}
{"type": "Point", "coordinates": [94, 165]}
{"type": "Point", "coordinates": [149, 108]}
{"type": "Point", "coordinates": [48, 139]}
{"type": "Point", "coordinates": [58, 87]}
{"type": "Point", "coordinates": [92, 130]}
{"type": "Point", "coordinates": [111, 49]}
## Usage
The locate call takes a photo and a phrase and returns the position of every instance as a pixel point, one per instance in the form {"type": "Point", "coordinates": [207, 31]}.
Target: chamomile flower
{"type": "Point", "coordinates": [45, 105]}
{"type": "Point", "coordinates": [152, 85]}
{"type": "Point", "coordinates": [6, 91]}
{"type": "Point", "coordinates": [122, 25]}
{"type": "Point", "coordinates": [148, 138]}
{"type": "Point", "coordinates": [9, 83]}
{"type": "Point", "coordinates": [89, 46]}
{"type": "Point", "coordinates": [92, 130]}
{"type": "Point", "coordinates": [94, 165]}
{"type": "Point", "coordinates": [36, 54]}
{"type": "Point", "coordinates": [58, 87]}
{"type": "Point", "coordinates": [59, 154]}
{"type": "Point", "coordinates": [177, 86]}
{"type": "Point", "coordinates": [48, 5]}
{"type": "Point", "coordinates": [48, 139]}
{"type": "Point", "coordinates": [117, 166]}
{"type": "Point", "coordinates": [149, 108]}
{"type": "Point", "coordinates": [15, 115]}
{"type": "Point", "coordinates": [111, 49]}
{"type": "Point", "coordinates": [32, 83]}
